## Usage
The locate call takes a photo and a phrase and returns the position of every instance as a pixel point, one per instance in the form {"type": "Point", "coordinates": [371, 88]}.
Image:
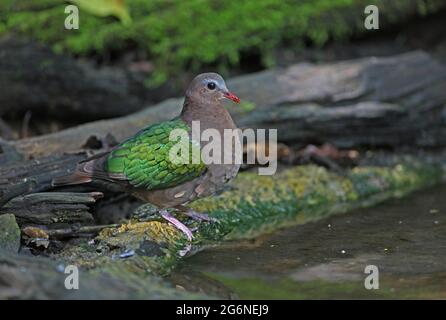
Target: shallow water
{"type": "Point", "coordinates": [405, 239]}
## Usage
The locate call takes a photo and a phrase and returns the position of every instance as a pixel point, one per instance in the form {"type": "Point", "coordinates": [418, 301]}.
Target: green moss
{"type": "Point", "coordinates": [305, 193]}
{"type": "Point", "coordinates": [9, 233]}
{"type": "Point", "coordinates": [178, 34]}
{"type": "Point", "coordinates": [155, 248]}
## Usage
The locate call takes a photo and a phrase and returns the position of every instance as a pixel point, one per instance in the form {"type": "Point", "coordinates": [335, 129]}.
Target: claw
{"type": "Point", "coordinates": [185, 251]}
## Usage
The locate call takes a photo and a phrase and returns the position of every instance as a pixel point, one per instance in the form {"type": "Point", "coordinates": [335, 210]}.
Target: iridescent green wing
{"type": "Point", "coordinates": [146, 161]}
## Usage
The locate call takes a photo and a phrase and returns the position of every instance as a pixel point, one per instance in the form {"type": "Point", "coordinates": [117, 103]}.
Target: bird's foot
{"type": "Point", "coordinates": [197, 216]}
{"type": "Point", "coordinates": [200, 217]}
{"type": "Point", "coordinates": [177, 223]}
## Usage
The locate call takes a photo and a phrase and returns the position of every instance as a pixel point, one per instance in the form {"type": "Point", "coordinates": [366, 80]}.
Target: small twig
{"type": "Point", "coordinates": [25, 124]}
{"type": "Point", "coordinates": [30, 232]}
{"type": "Point", "coordinates": [74, 231]}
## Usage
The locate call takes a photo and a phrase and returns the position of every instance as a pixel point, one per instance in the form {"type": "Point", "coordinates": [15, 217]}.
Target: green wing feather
{"type": "Point", "coordinates": [143, 160]}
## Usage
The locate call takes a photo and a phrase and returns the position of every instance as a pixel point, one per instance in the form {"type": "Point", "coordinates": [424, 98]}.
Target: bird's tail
{"type": "Point", "coordinates": [71, 179]}
{"type": "Point", "coordinates": [78, 177]}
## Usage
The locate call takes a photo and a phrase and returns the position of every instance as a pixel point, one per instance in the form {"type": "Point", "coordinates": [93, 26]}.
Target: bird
{"type": "Point", "coordinates": [142, 166]}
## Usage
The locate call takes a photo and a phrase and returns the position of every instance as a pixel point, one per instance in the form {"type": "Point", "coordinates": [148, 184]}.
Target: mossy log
{"type": "Point", "coordinates": [399, 101]}
{"type": "Point", "coordinates": [121, 261]}
{"type": "Point", "coordinates": [293, 196]}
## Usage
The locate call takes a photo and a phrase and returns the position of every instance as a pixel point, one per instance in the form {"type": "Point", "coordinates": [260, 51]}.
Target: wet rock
{"type": "Point", "coordinates": [9, 233]}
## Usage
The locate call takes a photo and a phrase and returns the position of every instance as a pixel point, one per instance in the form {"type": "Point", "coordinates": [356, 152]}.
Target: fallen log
{"type": "Point", "coordinates": [52, 208]}
{"type": "Point", "coordinates": [35, 175]}
{"type": "Point", "coordinates": [74, 230]}
{"type": "Point", "coordinates": [399, 101]}
{"type": "Point", "coordinates": [256, 205]}
{"type": "Point", "coordinates": [393, 102]}
{"type": "Point", "coordinates": [34, 78]}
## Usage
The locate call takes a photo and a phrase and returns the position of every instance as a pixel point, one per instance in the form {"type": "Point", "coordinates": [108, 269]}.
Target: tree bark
{"type": "Point", "coordinates": [35, 175]}
{"type": "Point", "coordinates": [47, 208]}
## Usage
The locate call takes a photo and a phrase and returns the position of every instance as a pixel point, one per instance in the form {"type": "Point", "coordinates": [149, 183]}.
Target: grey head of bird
{"type": "Point", "coordinates": [208, 88]}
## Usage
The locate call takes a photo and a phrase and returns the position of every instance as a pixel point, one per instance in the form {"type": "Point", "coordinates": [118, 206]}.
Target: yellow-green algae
{"type": "Point", "coordinates": [155, 246]}
{"type": "Point", "coordinates": [252, 206]}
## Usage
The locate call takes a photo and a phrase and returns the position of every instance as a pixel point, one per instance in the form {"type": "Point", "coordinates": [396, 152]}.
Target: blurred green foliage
{"type": "Point", "coordinates": [190, 34]}
{"type": "Point", "coordinates": [104, 8]}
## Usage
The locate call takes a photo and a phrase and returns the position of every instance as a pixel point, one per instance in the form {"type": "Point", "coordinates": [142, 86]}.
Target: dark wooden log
{"type": "Point", "coordinates": [399, 101]}
{"type": "Point", "coordinates": [35, 175]}
{"type": "Point", "coordinates": [20, 177]}
{"type": "Point", "coordinates": [58, 208]}
{"type": "Point", "coordinates": [33, 77]}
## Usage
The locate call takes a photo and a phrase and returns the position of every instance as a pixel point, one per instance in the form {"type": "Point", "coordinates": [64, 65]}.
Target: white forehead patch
{"type": "Point", "coordinates": [220, 82]}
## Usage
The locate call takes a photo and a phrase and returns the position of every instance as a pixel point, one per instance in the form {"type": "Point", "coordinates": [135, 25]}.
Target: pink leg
{"type": "Point", "coordinates": [178, 224]}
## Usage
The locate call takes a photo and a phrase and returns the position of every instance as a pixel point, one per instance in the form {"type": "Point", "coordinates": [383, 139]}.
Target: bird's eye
{"type": "Point", "coordinates": [211, 85]}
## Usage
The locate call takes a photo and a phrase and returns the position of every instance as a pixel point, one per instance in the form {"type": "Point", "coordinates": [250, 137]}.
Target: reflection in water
{"type": "Point", "coordinates": [405, 239]}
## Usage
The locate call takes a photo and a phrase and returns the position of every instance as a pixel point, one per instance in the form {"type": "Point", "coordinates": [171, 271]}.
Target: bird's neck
{"type": "Point", "coordinates": [210, 115]}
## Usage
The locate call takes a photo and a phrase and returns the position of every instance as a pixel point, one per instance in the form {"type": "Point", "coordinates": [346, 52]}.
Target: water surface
{"type": "Point", "coordinates": [404, 238]}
